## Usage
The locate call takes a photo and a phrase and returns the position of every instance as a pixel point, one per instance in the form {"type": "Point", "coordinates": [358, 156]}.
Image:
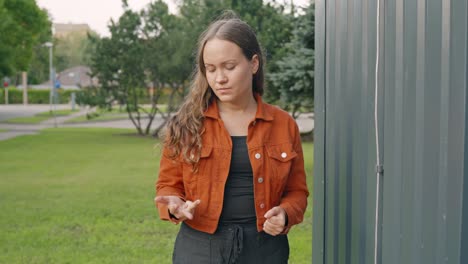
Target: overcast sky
{"type": "Point", "coordinates": [97, 13]}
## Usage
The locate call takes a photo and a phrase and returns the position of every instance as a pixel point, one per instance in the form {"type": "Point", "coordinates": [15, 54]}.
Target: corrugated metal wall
{"type": "Point", "coordinates": [422, 126]}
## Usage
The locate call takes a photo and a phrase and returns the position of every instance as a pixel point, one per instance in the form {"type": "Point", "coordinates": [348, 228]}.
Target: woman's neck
{"type": "Point", "coordinates": [246, 106]}
{"type": "Point", "coordinates": [237, 117]}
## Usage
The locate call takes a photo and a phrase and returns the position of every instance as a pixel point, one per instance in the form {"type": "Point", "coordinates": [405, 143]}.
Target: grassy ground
{"type": "Point", "coordinates": [102, 117]}
{"type": "Point", "coordinates": [114, 114]}
{"type": "Point", "coordinates": [39, 117]}
{"type": "Point", "coordinates": [86, 196]}
{"type": "Point", "coordinates": [3, 130]}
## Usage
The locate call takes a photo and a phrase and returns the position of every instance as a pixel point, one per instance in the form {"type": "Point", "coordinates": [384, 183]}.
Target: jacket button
{"type": "Point", "coordinates": [258, 156]}
{"type": "Point", "coordinates": [284, 155]}
{"type": "Point", "coordinates": [260, 180]}
{"type": "Point", "coordinates": [262, 205]}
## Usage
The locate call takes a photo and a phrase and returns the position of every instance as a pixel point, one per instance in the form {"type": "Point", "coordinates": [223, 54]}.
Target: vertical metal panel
{"type": "Point", "coordinates": [455, 72]}
{"type": "Point", "coordinates": [464, 227]}
{"type": "Point", "coordinates": [425, 107]}
{"type": "Point", "coordinates": [319, 202]}
{"type": "Point", "coordinates": [347, 159]}
{"type": "Point", "coordinates": [422, 128]}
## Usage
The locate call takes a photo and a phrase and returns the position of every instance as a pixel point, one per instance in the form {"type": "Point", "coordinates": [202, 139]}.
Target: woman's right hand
{"type": "Point", "coordinates": [177, 207]}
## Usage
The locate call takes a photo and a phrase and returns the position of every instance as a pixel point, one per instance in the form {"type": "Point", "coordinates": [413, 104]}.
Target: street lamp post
{"type": "Point", "coordinates": [51, 73]}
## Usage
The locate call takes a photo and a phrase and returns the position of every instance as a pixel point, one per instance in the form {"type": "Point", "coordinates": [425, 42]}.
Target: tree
{"type": "Point", "coordinates": [39, 65]}
{"type": "Point", "coordinates": [118, 64]}
{"type": "Point", "coordinates": [295, 72]}
{"type": "Point", "coordinates": [168, 57]}
{"type": "Point", "coordinates": [270, 22]}
{"type": "Point", "coordinates": [139, 53]}
{"type": "Point", "coordinates": [155, 48]}
{"type": "Point", "coordinates": [74, 49]}
{"type": "Point", "coordinates": [23, 24]}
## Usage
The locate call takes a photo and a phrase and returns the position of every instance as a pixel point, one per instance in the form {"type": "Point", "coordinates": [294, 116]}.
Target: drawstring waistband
{"type": "Point", "coordinates": [237, 237]}
{"type": "Point", "coordinates": [227, 241]}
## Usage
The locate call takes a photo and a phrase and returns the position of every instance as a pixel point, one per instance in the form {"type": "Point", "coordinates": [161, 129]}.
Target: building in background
{"type": "Point", "coordinates": [62, 30]}
{"type": "Point", "coordinates": [70, 79]}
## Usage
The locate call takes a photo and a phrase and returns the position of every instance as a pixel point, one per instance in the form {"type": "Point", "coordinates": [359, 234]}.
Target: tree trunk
{"type": "Point", "coordinates": [25, 88]}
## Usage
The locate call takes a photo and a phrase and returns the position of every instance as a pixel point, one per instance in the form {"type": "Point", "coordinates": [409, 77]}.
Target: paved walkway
{"type": "Point", "coordinates": [14, 130]}
{"type": "Point", "coordinates": [305, 121]}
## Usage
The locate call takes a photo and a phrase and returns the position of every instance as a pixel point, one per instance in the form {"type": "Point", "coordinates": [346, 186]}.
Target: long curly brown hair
{"type": "Point", "coordinates": [183, 134]}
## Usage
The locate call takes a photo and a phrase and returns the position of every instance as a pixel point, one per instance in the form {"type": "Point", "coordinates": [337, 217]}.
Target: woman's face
{"type": "Point", "coordinates": [228, 71]}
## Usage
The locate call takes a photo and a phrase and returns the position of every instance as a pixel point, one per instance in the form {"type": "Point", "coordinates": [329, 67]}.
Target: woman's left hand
{"type": "Point", "coordinates": [275, 221]}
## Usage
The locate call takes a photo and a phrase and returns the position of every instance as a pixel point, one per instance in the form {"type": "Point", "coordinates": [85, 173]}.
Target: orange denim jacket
{"type": "Point", "coordinates": [276, 156]}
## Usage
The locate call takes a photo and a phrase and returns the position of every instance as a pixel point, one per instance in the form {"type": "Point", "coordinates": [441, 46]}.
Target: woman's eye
{"type": "Point", "coordinates": [210, 69]}
{"type": "Point", "coordinates": [230, 66]}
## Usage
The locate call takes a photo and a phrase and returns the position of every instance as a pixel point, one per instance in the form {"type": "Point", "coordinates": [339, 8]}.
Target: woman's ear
{"type": "Point", "coordinates": [255, 63]}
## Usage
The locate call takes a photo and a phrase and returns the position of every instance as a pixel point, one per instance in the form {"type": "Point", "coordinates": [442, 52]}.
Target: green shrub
{"type": "Point", "coordinates": [15, 96]}
{"type": "Point", "coordinates": [38, 96]}
{"type": "Point", "coordinates": [85, 96]}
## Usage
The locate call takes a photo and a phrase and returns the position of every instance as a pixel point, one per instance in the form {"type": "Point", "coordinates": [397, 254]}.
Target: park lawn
{"type": "Point", "coordinates": [99, 118]}
{"type": "Point", "coordinates": [82, 195]}
{"type": "Point", "coordinates": [104, 115]}
{"type": "Point", "coordinates": [38, 118]}
{"type": "Point", "coordinates": [300, 236]}
{"type": "Point", "coordinates": [3, 130]}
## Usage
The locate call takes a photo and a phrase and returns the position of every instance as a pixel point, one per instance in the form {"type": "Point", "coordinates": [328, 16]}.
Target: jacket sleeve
{"type": "Point", "coordinates": [294, 198]}
{"type": "Point", "coordinates": [170, 182]}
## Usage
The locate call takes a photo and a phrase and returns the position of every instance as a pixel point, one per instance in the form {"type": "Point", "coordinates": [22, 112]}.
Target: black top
{"type": "Point", "coordinates": [239, 205]}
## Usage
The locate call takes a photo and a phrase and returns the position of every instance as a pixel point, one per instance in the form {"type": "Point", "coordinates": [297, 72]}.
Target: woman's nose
{"type": "Point", "coordinates": [221, 77]}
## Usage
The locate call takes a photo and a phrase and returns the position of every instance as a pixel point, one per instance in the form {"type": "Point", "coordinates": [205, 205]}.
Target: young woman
{"type": "Point", "coordinates": [232, 169]}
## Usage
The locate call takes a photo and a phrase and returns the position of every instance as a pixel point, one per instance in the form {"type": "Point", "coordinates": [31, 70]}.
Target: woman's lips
{"type": "Point", "coordinates": [223, 90]}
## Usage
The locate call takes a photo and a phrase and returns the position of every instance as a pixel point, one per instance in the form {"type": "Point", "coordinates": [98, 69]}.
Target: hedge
{"type": "Point", "coordinates": [15, 96]}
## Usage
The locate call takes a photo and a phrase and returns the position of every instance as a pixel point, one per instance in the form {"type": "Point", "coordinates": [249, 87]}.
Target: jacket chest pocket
{"type": "Point", "coordinates": [193, 178]}
{"type": "Point", "coordinates": [280, 159]}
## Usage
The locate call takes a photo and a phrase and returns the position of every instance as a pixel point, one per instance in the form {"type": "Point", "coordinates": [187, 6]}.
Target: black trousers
{"type": "Point", "coordinates": [240, 244]}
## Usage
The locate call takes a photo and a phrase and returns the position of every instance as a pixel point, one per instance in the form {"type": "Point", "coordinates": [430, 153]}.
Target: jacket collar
{"type": "Point", "coordinates": [262, 112]}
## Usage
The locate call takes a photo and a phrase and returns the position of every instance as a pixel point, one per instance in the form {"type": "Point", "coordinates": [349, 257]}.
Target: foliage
{"type": "Point", "coordinates": [138, 56]}
{"type": "Point", "coordinates": [118, 63]}
{"type": "Point", "coordinates": [169, 57]}
{"type": "Point", "coordinates": [295, 73]}
{"type": "Point", "coordinates": [15, 96]}
{"type": "Point", "coordinates": [73, 49]}
{"type": "Point", "coordinates": [155, 49]}
{"type": "Point", "coordinates": [91, 97]}
{"type": "Point", "coordinates": [39, 67]}
{"type": "Point", "coordinates": [22, 28]}
{"type": "Point", "coordinates": [272, 25]}
{"type": "Point", "coordinates": [86, 196]}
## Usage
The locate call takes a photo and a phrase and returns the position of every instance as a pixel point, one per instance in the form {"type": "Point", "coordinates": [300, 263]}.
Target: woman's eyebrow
{"type": "Point", "coordinates": [224, 62]}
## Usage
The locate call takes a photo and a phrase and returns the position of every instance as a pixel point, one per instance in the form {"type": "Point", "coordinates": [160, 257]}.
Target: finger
{"type": "Point", "coordinates": [275, 225]}
{"type": "Point", "coordinates": [173, 209]}
{"type": "Point", "coordinates": [272, 229]}
{"type": "Point", "coordinates": [272, 212]}
{"type": "Point", "coordinates": [276, 220]}
{"type": "Point", "coordinates": [187, 214]}
{"type": "Point", "coordinates": [162, 200]}
{"type": "Point", "coordinates": [189, 207]}
{"type": "Point", "coordinates": [268, 232]}
{"type": "Point", "coordinates": [192, 205]}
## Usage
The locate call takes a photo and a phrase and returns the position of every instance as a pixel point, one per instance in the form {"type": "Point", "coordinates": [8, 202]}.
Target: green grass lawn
{"type": "Point", "coordinates": [3, 130]}
{"type": "Point", "coordinates": [86, 196]}
{"type": "Point", "coordinates": [114, 114]}
{"type": "Point", "coordinates": [102, 117]}
{"type": "Point", "coordinates": [40, 117]}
